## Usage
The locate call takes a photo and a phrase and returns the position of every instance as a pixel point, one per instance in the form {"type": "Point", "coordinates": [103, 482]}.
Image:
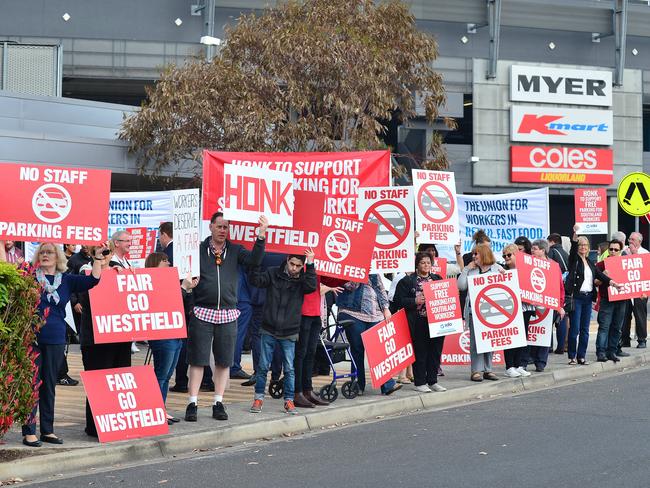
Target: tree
{"type": "Point", "coordinates": [308, 75]}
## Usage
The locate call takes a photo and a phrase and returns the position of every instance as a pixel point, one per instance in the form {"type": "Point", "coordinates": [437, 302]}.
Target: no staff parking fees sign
{"type": "Point", "coordinates": [436, 212]}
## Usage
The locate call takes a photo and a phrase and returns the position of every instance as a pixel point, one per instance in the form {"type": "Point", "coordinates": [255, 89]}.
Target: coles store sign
{"type": "Point", "coordinates": [570, 165]}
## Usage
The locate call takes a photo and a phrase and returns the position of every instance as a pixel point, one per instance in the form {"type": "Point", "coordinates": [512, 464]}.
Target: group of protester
{"type": "Point", "coordinates": [287, 322]}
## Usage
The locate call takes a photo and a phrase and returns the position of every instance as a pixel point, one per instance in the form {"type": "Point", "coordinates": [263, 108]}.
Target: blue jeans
{"type": "Point", "coordinates": [165, 356]}
{"type": "Point", "coordinates": [267, 345]}
{"type": "Point", "coordinates": [610, 323]}
{"type": "Point", "coordinates": [580, 318]}
{"type": "Point", "coordinates": [353, 333]}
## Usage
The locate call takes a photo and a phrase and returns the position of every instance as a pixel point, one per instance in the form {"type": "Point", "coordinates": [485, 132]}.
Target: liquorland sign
{"type": "Point", "coordinates": [561, 86]}
{"type": "Point", "coordinates": [561, 125]}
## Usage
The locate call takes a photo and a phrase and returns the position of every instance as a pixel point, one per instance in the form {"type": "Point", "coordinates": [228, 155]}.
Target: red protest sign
{"type": "Point", "coordinates": [443, 307]}
{"type": "Point", "coordinates": [305, 232]}
{"type": "Point", "coordinates": [496, 310]}
{"type": "Point", "coordinates": [135, 305]}
{"type": "Point", "coordinates": [540, 329]}
{"type": "Point", "coordinates": [455, 351]}
{"type": "Point", "coordinates": [51, 204]}
{"type": "Point", "coordinates": [345, 248]}
{"type": "Point", "coordinates": [249, 193]}
{"type": "Point", "coordinates": [139, 238]}
{"type": "Point", "coordinates": [388, 348]}
{"type": "Point", "coordinates": [633, 272]}
{"type": "Point", "coordinates": [436, 212]}
{"type": "Point", "coordinates": [591, 210]}
{"type": "Point", "coordinates": [539, 280]}
{"type": "Point", "coordinates": [336, 175]}
{"type": "Point", "coordinates": [439, 267]}
{"type": "Point", "coordinates": [126, 403]}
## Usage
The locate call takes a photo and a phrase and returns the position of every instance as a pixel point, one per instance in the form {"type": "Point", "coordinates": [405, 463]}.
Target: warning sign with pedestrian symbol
{"type": "Point", "coordinates": [436, 212]}
{"type": "Point", "coordinates": [634, 194]}
{"type": "Point", "coordinates": [345, 248]}
{"type": "Point", "coordinates": [540, 328]}
{"type": "Point", "coordinates": [496, 310]}
{"type": "Point", "coordinates": [391, 209]}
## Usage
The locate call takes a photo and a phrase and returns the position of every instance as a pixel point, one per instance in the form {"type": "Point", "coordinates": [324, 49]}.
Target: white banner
{"type": "Point", "coordinates": [436, 211]}
{"type": "Point", "coordinates": [391, 208]}
{"type": "Point", "coordinates": [498, 320]}
{"type": "Point", "coordinates": [186, 206]}
{"type": "Point", "coordinates": [504, 217]}
{"type": "Point", "coordinates": [562, 125]}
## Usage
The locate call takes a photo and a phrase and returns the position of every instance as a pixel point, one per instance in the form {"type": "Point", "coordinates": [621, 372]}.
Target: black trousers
{"type": "Point", "coordinates": [518, 356]}
{"type": "Point", "coordinates": [181, 370]}
{"type": "Point", "coordinates": [48, 362]}
{"type": "Point", "coordinates": [640, 311]}
{"type": "Point", "coordinates": [303, 363]}
{"type": "Point", "coordinates": [103, 356]}
{"type": "Point", "coordinates": [427, 352]}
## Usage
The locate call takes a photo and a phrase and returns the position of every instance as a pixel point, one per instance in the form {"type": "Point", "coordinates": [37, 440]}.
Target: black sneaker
{"type": "Point", "coordinates": [178, 389]}
{"type": "Point", "coordinates": [190, 412]}
{"type": "Point", "coordinates": [67, 381]}
{"type": "Point", "coordinates": [219, 411]}
{"type": "Point", "coordinates": [622, 354]}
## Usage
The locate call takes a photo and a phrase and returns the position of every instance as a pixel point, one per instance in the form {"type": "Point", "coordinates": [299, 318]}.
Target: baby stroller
{"type": "Point", "coordinates": [336, 349]}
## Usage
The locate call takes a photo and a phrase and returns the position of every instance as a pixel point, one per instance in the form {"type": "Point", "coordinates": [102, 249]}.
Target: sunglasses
{"type": "Point", "coordinates": [614, 250]}
{"type": "Point", "coordinates": [508, 255]}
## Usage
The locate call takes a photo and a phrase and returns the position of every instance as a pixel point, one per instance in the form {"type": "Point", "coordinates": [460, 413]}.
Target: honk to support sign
{"type": "Point", "coordinates": [143, 304]}
{"type": "Point", "coordinates": [249, 193]}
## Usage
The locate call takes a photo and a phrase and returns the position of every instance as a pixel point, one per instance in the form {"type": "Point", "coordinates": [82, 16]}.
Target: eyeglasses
{"type": "Point", "coordinates": [614, 250]}
{"type": "Point", "coordinates": [508, 255]}
{"type": "Point", "coordinates": [122, 240]}
{"type": "Point", "coordinates": [474, 254]}
{"type": "Point", "coordinates": [44, 252]}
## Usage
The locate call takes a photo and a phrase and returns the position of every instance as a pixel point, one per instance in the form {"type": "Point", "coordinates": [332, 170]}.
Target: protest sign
{"type": "Point", "coordinates": [436, 211]}
{"type": "Point", "coordinates": [443, 307]}
{"type": "Point", "coordinates": [345, 248]}
{"type": "Point", "coordinates": [455, 351]}
{"type": "Point", "coordinates": [337, 175]}
{"type": "Point", "coordinates": [126, 403]}
{"type": "Point", "coordinates": [305, 232]}
{"type": "Point", "coordinates": [539, 280]}
{"type": "Point", "coordinates": [388, 348]}
{"type": "Point", "coordinates": [496, 311]}
{"type": "Point", "coordinates": [390, 208]}
{"type": "Point", "coordinates": [52, 204]}
{"type": "Point", "coordinates": [186, 220]}
{"type": "Point", "coordinates": [439, 267]}
{"type": "Point", "coordinates": [540, 329]}
{"type": "Point", "coordinates": [139, 243]}
{"type": "Point", "coordinates": [249, 193]}
{"type": "Point", "coordinates": [504, 217]}
{"type": "Point", "coordinates": [136, 305]}
{"type": "Point", "coordinates": [591, 210]}
{"type": "Point", "coordinates": [633, 272]}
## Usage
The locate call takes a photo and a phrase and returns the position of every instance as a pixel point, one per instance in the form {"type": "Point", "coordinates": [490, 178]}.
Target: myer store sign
{"type": "Point", "coordinates": [561, 125]}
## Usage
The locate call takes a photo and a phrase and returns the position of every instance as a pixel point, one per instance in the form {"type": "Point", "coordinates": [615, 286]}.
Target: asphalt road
{"type": "Point", "coordinates": [594, 433]}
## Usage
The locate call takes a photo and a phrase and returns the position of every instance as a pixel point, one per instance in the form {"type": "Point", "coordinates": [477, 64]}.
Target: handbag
{"type": "Point", "coordinates": [569, 305]}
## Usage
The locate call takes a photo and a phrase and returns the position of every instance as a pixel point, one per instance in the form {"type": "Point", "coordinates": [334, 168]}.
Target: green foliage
{"type": "Point", "coordinates": [19, 298]}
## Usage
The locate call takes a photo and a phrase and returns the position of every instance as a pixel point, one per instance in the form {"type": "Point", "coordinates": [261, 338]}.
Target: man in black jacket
{"type": "Point", "coordinates": [213, 326]}
{"type": "Point", "coordinates": [557, 253]}
{"type": "Point", "coordinates": [286, 287]}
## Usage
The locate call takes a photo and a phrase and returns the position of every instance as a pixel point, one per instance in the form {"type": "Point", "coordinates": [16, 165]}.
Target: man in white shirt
{"type": "Point", "coordinates": [636, 306]}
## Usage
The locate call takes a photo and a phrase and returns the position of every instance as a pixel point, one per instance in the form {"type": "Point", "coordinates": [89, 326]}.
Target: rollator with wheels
{"type": "Point", "coordinates": [337, 350]}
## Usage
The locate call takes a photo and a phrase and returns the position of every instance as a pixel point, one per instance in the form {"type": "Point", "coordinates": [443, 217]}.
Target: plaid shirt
{"type": "Point", "coordinates": [216, 315]}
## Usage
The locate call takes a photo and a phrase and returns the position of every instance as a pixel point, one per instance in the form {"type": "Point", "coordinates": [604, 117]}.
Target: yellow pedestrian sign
{"type": "Point", "coordinates": [634, 194]}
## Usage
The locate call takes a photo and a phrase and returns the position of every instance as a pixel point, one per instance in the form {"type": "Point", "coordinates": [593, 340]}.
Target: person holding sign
{"type": "Point", "coordinates": [50, 266]}
{"type": "Point", "coordinates": [483, 261]}
{"type": "Point", "coordinates": [580, 293]}
{"type": "Point", "coordinates": [610, 314]}
{"type": "Point", "coordinates": [409, 295]}
{"type": "Point", "coordinates": [636, 306]}
{"type": "Point", "coordinates": [286, 287]}
{"type": "Point", "coordinates": [213, 326]}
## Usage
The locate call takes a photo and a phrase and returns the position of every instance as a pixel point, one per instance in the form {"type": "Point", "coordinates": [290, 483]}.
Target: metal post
{"type": "Point", "coordinates": [620, 31]}
{"type": "Point", "coordinates": [208, 13]}
{"type": "Point", "coordinates": [494, 21]}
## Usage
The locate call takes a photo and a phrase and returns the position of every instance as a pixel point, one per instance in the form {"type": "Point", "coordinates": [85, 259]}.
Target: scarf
{"type": "Point", "coordinates": [50, 288]}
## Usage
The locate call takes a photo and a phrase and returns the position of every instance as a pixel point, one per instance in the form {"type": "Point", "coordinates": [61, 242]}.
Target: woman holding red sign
{"type": "Point", "coordinates": [410, 296]}
{"type": "Point", "coordinates": [483, 261]}
{"type": "Point", "coordinates": [50, 266]}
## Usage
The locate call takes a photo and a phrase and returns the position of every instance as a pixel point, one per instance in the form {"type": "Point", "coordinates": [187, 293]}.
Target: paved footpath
{"type": "Point", "coordinates": [81, 452]}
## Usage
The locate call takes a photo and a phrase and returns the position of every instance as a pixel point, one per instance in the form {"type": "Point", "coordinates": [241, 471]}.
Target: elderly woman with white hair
{"type": "Point", "coordinates": [50, 266]}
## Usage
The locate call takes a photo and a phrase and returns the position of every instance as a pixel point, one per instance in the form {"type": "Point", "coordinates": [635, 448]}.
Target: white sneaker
{"type": "Point", "coordinates": [523, 372]}
{"type": "Point", "coordinates": [513, 373]}
{"type": "Point", "coordinates": [437, 387]}
{"type": "Point", "coordinates": [423, 389]}
{"type": "Point", "coordinates": [134, 348]}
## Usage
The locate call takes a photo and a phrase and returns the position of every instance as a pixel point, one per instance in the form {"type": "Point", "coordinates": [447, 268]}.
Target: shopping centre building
{"type": "Point", "coordinates": [546, 93]}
